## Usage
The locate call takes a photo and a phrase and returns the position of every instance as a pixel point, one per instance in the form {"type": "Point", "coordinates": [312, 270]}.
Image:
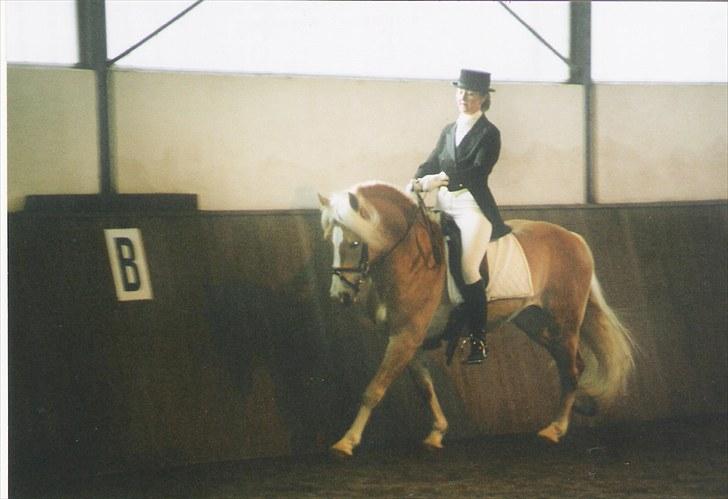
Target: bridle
{"type": "Point", "coordinates": [364, 266]}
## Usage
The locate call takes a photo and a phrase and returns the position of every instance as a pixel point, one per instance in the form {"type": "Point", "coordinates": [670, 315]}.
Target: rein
{"type": "Point", "coordinates": [365, 266]}
{"type": "Point", "coordinates": [429, 224]}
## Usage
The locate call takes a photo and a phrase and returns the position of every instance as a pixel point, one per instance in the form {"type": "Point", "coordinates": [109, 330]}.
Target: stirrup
{"type": "Point", "coordinates": [478, 351]}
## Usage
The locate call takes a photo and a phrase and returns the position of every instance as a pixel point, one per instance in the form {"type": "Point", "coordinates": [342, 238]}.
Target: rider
{"type": "Point", "coordinates": [458, 168]}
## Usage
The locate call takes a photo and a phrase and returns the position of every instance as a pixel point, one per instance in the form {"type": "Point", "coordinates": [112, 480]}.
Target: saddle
{"type": "Point", "coordinates": [504, 270]}
{"type": "Point", "coordinates": [506, 274]}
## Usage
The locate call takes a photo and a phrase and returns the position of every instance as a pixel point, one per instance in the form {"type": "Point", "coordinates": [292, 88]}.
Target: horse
{"type": "Point", "coordinates": [383, 236]}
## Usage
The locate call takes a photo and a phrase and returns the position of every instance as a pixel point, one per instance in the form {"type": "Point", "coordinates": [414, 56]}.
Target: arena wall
{"type": "Point", "coordinates": [241, 354]}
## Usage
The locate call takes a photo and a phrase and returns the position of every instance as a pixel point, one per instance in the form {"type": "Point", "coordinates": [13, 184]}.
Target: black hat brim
{"type": "Point", "coordinates": [457, 84]}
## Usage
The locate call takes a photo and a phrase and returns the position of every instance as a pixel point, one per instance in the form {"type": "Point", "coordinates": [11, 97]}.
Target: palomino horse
{"type": "Point", "coordinates": [380, 233]}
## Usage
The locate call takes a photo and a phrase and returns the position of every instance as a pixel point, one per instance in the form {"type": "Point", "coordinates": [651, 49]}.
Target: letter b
{"type": "Point", "coordinates": [128, 262]}
{"type": "Point", "coordinates": [128, 267]}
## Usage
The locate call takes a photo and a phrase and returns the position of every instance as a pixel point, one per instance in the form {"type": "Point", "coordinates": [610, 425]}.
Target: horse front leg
{"type": "Point", "coordinates": [423, 378]}
{"type": "Point", "coordinates": [400, 350]}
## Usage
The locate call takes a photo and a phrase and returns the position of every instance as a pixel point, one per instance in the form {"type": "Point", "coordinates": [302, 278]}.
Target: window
{"type": "Point", "coordinates": [41, 31]}
{"type": "Point", "coordinates": [660, 41]}
{"type": "Point", "coordinates": [631, 41]}
{"type": "Point", "coordinates": [430, 40]}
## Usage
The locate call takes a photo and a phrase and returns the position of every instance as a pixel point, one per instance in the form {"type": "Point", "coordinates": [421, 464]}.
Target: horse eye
{"type": "Point", "coordinates": [354, 244]}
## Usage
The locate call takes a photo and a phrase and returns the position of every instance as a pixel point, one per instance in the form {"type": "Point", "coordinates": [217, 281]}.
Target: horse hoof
{"type": "Point", "coordinates": [340, 453]}
{"type": "Point", "coordinates": [432, 449]}
{"type": "Point", "coordinates": [551, 434]}
{"type": "Point", "coordinates": [433, 443]}
{"type": "Point", "coordinates": [344, 448]}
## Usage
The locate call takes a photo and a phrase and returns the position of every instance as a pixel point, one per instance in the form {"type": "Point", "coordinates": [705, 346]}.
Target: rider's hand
{"type": "Point", "coordinates": [432, 182]}
{"type": "Point", "coordinates": [413, 186]}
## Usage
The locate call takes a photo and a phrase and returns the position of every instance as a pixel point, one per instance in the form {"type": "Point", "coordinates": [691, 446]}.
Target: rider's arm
{"type": "Point", "coordinates": [432, 165]}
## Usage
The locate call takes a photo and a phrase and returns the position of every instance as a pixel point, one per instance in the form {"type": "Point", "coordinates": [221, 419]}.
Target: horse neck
{"type": "Point", "coordinates": [411, 263]}
{"type": "Point", "coordinates": [409, 232]}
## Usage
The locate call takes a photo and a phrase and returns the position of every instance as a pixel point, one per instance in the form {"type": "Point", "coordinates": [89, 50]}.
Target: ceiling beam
{"type": "Point", "coordinates": [92, 55]}
{"type": "Point", "coordinates": [580, 73]}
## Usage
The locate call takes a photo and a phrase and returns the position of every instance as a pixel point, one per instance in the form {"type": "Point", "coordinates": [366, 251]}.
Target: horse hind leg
{"type": "Point", "coordinates": [534, 321]}
{"type": "Point", "coordinates": [564, 348]}
{"type": "Point", "coordinates": [562, 343]}
{"type": "Point", "coordinates": [423, 379]}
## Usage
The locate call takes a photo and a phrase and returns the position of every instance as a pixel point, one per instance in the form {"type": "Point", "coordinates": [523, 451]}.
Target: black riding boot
{"type": "Point", "coordinates": [477, 311]}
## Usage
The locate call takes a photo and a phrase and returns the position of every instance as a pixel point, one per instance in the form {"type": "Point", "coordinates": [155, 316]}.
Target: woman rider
{"type": "Point", "coordinates": [458, 168]}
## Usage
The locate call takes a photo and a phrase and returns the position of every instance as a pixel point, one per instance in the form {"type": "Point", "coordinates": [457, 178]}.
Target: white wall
{"type": "Point", "coordinates": [661, 142]}
{"type": "Point", "coordinates": [263, 142]}
{"type": "Point", "coordinates": [51, 141]}
{"type": "Point", "coordinates": [272, 142]}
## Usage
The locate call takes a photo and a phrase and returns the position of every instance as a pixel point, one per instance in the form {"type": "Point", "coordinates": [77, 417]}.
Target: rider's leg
{"type": "Point", "coordinates": [476, 230]}
{"type": "Point", "coordinates": [477, 310]}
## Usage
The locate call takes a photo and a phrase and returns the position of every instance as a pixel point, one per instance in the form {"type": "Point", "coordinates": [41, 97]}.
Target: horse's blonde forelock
{"type": "Point", "coordinates": [327, 220]}
{"type": "Point", "coordinates": [366, 228]}
{"type": "Point", "coordinates": [372, 197]}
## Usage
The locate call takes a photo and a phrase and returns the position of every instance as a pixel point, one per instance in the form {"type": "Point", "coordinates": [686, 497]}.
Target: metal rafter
{"type": "Point", "coordinates": [579, 62]}
{"type": "Point", "coordinates": [92, 53]}
{"type": "Point", "coordinates": [580, 55]}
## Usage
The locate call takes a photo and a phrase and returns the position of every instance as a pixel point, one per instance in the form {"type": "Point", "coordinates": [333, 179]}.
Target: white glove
{"type": "Point", "coordinates": [431, 182]}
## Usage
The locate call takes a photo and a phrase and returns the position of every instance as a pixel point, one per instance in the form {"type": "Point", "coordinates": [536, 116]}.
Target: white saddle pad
{"type": "Point", "coordinates": [510, 276]}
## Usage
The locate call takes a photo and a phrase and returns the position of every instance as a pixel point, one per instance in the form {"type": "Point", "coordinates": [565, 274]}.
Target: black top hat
{"type": "Point", "coordinates": [478, 81]}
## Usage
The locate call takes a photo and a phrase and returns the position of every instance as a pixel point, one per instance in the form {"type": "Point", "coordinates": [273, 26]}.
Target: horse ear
{"type": "Point", "coordinates": [354, 202]}
{"type": "Point", "coordinates": [357, 207]}
{"type": "Point", "coordinates": [323, 201]}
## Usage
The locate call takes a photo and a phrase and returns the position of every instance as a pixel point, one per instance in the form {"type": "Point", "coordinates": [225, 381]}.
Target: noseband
{"type": "Point", "coordinates": [362, 269]}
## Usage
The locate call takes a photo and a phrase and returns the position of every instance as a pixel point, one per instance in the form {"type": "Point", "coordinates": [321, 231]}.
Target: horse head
{"type": "Point", "coordinates": [360, 224]}
{"type": "Point", "coordinates": [350, 266]}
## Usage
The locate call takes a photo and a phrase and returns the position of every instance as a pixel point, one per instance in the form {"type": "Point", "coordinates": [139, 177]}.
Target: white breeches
{"type": "Point", "coordinates": [475, 228]}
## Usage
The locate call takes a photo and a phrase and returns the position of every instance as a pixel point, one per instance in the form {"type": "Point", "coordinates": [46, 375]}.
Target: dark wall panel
{"type": "Point", "coordinates": [241, 354]}
{"type": "Point", "coordinates": [100, 384]}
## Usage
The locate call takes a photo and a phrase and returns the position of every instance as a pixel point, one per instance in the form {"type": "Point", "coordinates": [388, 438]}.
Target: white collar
{"type": "Point", "coordinates": [468, 120]}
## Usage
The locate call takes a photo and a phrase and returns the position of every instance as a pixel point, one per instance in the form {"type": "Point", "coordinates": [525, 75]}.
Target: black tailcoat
{"type": "Point", "coordinates": [468, 166]}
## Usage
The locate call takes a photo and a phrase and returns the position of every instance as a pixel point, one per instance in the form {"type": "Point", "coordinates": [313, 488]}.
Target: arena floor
{"type": "Point", "coordinates": [686, 458]}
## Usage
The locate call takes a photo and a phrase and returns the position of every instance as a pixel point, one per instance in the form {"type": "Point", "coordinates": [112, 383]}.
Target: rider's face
{"type": "Point", "coordinates": [468, 101]}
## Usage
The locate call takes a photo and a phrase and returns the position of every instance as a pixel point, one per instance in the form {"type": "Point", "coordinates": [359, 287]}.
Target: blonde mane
{"type": "Point", "coordinates": [381, 215]}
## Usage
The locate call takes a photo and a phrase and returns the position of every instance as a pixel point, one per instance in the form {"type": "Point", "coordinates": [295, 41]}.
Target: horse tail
{"type": "Point", "coordinates": [607, 348]}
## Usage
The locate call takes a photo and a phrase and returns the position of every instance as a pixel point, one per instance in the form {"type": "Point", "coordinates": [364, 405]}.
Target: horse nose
{"type": "Point", "coordinates": [341, 293]}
